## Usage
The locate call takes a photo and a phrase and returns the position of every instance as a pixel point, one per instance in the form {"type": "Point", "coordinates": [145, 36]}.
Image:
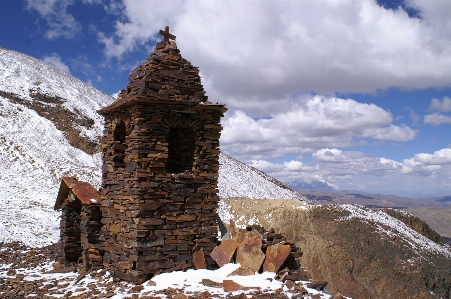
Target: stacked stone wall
{"type": "Point", "coordinates": [70, 232]}
{"type": "Point", "coordinates": [90, 224]}
{"type": "Point", "coordinates": [79, 230]}
{"type": "Point", "coordinates": [153, 220]}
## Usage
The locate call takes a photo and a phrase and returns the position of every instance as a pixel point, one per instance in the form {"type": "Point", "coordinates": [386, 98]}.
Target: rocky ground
{"type": "Point", "coordinates": [30, 272]}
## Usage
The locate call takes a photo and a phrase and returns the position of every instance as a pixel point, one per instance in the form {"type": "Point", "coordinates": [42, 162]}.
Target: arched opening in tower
{"type": "Point", "coordinates": [181, 145]}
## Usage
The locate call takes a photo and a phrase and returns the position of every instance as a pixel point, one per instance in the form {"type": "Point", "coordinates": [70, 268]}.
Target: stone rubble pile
{"type": "Point", "coordinates": [258, 250]}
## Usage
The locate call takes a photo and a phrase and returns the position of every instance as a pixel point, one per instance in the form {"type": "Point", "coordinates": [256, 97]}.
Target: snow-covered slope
{"type": "Point", "coordinates": [35, 153]}
{"type": "Point", "coordinates": [24, 75]}
{"type": "Point", "coordinates": [237, 179]}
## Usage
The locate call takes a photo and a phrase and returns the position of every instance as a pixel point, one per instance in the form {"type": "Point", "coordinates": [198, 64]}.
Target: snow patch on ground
{"type": "Point", "coordinates": [188, 282]}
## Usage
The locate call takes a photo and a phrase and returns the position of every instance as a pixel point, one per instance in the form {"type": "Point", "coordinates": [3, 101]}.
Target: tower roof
{"type": "Point", "coordinates": [164, 76]}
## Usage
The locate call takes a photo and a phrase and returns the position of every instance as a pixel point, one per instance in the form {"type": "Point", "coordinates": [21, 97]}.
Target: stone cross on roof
{"type": "Point", "coordinates": [166, 34]}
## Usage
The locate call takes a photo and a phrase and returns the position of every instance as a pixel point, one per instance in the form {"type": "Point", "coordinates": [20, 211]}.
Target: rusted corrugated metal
{"type": "Point", "coordinates": [83, 191]}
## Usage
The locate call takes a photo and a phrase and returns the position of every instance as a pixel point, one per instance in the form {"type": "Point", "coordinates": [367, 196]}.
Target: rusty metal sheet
{"type": "Point", "coordinates": [83, 191]}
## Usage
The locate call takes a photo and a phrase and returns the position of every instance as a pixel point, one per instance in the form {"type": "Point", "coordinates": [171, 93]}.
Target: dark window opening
{"type": "Point", "coordinates": [119, 132]}
{"type": "Point", "coordinates": [181, 144]}
{"type": "Point", "coordinates": [119, 146]}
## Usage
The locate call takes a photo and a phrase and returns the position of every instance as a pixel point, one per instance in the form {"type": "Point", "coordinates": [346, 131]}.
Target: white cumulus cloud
{"type": "Point", "coordinates": [55, 60]}
{"type": "Point", "coordinates": [316, 122]}
{"type": "Point", "coordinates": [60, 23]}
{"type": "Point", "coordinates": [439, 157]}
{"type": "Point", "coordinates": [262, 51]}
{"type": "Point", "coordinates": [437, 119]}
{"type": "Point", "coordinates": [441, 105]}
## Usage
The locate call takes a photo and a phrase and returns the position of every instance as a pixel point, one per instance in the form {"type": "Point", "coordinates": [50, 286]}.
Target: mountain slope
{"type": "Point", "coordinates": [361, 253]}
{"type": "Point", "coordinates": [34, 152]}
{"type": "Point", "coordinates": [39, 85]}
{"type": "Point", "coordinates": [237, 179]}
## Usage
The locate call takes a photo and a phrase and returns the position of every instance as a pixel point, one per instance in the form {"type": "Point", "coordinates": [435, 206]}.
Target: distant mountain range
{"type": "Point", "coordinates": [313, 185]}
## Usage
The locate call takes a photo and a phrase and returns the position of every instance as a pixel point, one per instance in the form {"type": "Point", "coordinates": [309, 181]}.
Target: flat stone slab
{"type": "Point", "coordinates": [223, 253]}
{"type": "Point", "coordinates": [230, 286]}
{"type": "Point", "coordinates": [275, 257]}
{"type": "Point", "coordinates": [242, 272]}
{"type": "Point", "coordinates": [249, 253]}
{"type": "Point", "coordinates": [211, 283]}
{"type": "Point", "coordinates": [199, 259]}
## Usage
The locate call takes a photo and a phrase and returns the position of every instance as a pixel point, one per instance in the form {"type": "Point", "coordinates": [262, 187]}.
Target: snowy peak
{"type": "Point", "coordinates": [313, 185]}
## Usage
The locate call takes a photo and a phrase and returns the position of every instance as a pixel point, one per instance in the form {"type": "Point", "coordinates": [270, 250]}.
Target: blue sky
{"type": "Point", "coordinates": [353, 92]}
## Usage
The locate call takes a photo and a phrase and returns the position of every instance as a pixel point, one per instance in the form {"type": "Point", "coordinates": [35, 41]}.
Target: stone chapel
{"type": "Point", "coordinates": [159, 191]}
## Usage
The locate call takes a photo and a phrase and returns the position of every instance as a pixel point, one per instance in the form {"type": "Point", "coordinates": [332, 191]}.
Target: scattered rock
{"type": "Point", "coordinates": [275, 257]}
{"type": "Point", "coordinates": [199, 259]}
{"type": "Point", "coordinates": [317, 285]}
{"type": "Point", "coordinates": [223, 253]}
{"type": "Point", "coordinates": [205, 295]}
{"type": "Point", "coordinates": [136, 289]}
{"type": "Point", "coordinates": [230, 286]}
{"type": "Point", "coordinates": [63, 269]}
{"type": "Point", "coordinates": [211, 283]}
{"type": "Point", "coordinates": [242, 272]}
{"type": "Point", "coordinates": [249, 253]}
{"type": "Point", "coordinates": [300, 288]}
{"type": "Point", "coordinates": [151, 283]}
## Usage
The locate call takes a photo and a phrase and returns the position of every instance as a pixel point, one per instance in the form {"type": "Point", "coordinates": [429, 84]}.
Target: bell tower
{"type": "Point", "coordinates": [160, 168]}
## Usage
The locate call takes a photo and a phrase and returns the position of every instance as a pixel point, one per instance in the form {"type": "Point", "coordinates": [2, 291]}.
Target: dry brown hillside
{"type": "Point", "coordinates": [360, 252]}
